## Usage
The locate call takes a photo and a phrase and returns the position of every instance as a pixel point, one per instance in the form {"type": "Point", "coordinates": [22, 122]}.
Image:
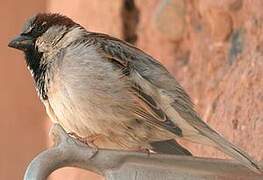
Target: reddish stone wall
{"type": "Point", "coordinates": [214, 48]}
{"type": "Point", "coordinates": [217, 58]}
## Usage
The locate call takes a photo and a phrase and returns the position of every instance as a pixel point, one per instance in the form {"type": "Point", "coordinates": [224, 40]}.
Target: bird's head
{"type": "Point", "coordinates": [43, 32]}
{"type": "Point", "coordinates": [43, 35]}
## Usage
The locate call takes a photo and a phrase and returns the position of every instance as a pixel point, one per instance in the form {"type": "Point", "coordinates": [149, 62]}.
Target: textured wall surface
{"type": "Point", "coordinates": [214, 49]}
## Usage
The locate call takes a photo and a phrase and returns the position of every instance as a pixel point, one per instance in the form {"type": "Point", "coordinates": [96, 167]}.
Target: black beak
{"type": "Point", "coordinates": [21, 42]}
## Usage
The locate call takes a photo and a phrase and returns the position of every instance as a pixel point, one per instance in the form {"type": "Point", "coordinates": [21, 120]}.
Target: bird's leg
{"type": "Point", "coordinates": [89, 140]}
{"type": "Point", "coordinates": [92, 138]}
{"type": "Point", "coordinates": [79, 138]}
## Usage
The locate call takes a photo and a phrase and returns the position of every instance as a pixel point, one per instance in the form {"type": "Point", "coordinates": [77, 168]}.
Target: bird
{"type": "Point", "coordinates": [111, 92]}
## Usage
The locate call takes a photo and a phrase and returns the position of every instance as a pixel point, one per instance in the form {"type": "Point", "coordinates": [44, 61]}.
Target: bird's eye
{"type": "Point", "coordinates": [40, 28]}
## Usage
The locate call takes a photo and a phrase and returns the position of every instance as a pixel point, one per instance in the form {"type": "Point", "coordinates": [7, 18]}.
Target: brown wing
{"type": "Point", "coordinates": [138, 65]}
{"type": "Point", "coordinates": [149, 110]}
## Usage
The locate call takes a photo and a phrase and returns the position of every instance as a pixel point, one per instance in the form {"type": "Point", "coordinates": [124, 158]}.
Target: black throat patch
{"type": "Point", "coordinates": [33, 60]}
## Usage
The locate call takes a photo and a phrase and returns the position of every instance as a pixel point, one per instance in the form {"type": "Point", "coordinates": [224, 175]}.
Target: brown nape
{"type": "Point", "coordinates": [54, 19]}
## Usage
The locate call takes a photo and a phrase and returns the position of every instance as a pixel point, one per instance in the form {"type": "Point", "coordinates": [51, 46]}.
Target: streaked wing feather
{"type": "Point", "coordinates": [132, 58]}
{"type": "Point", "coordinates": [149, 110]}
{"type": "Point", "coordinates": [154, 73]}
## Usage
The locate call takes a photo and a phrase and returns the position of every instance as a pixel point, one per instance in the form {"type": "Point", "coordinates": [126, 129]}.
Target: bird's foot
{"type": "Point", "coordinates": [93, 138]}
{"type": "Point", "coordinates": [79, 138]}
{"type": "Point", "coordinates": [89, 140]}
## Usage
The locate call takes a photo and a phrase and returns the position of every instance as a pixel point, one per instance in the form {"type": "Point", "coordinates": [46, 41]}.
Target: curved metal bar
{"type": "Point", "coordinates": [66, 152]}
{"type": "Point", "coordinates": [127, 165]}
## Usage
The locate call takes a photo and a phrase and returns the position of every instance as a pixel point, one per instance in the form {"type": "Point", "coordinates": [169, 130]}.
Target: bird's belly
{"type": "Point", "coordinates": [121, 131]}
{"type": "Point", "coordinates": [100, 108]}
{"type": "Point", "coordinates": [82, 120]}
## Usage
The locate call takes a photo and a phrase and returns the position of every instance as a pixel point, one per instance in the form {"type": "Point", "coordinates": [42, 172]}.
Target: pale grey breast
{"type": "Point", "coordinates": [88, 95]}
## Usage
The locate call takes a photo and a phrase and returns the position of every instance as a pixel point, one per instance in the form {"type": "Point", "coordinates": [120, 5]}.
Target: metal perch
{"type": "Point", "coordinates": [119, 165]}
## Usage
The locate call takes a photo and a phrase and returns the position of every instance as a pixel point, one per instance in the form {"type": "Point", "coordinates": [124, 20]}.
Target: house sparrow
{"type": "Point", "coordinates": [95, 85]}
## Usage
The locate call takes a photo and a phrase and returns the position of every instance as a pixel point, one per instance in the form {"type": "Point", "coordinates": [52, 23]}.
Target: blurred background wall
{"type": "Point", "coordinates": [22, 120]}
{"type": "Point", "coordinates": [214, 48]}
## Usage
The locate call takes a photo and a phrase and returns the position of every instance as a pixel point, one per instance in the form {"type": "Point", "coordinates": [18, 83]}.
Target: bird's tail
{"type": "Point", "coordinates": [214, 139]}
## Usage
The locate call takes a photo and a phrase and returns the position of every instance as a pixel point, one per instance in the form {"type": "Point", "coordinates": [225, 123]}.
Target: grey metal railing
{"type": "Point", "coordinates": [123, 165]}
